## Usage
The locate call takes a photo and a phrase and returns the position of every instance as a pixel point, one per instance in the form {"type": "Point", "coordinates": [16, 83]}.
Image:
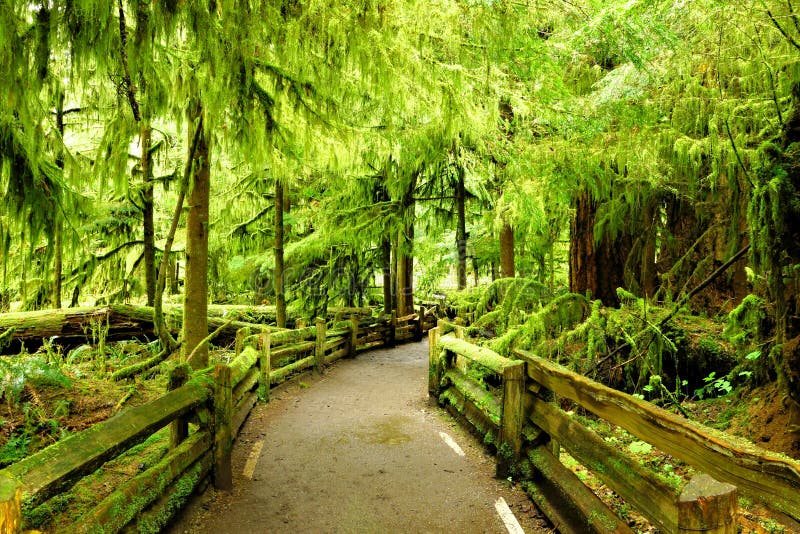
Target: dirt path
{"type": "Point", "coordinates": [358, 450]}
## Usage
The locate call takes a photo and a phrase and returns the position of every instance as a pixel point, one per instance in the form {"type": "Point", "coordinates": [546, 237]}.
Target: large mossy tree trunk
{"type": "Point", "coordinates": [405, 253]}
{"type": "Point", "coordinates": [148, 225]}
{"type": "Point", "coordinates": [461, 229]}
{"type": "Point", "coordinates": [507, 267]}
{"type": "Point", "coordinates": [597, 268]}
{"type": "Point", "coordinates": [280, 293]}
{"type": "Point", "coordinates": [195, 304]}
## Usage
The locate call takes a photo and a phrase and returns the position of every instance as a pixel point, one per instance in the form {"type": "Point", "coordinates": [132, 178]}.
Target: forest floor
{"type": "Point", "coordinates": [359, 449]}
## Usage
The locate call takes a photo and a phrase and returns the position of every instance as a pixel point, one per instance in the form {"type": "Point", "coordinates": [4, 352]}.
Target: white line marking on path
{"type": "Point", "coordinates": [452, 444]}
{"type": "Point", "coordinates": [252, 460]}
{"type": "Point", "coordinates": [507, 516]}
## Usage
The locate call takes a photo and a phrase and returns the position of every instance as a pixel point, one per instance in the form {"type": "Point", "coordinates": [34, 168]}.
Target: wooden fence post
{"type": "Point", "coordinates": [418, 327]}
{"type": "Point", "coordinates": [353, 334]}
{"type": "Point", "coordinates": [707, 505]}
{"type": "Point", "coordinates": [319, 350]}
{"type": "Point", "coordinates": [434, 371]}
{"type": "Point", "coordinates": [179, 428]}
{"type": "Point", "coordinates": [512, 419]}
{"type": "Point", "coordinates": [240, 335]}
{"type": "Point", "coordinates": [300, 323]}
{"type": "Point", "coordinates": [222, 474]}
{"type": "Point", "coordinates": [265, 365]}
{"type": "Point", "coordinates": [390, 338]}
{"type": "Point", "coordinates": [10, 505]}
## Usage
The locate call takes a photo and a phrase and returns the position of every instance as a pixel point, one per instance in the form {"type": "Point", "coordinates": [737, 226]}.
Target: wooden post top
{"type": "Point", "coordinates": [707, 505]}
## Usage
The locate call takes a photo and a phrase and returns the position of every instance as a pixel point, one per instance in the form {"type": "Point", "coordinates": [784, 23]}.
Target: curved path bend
{"type": "Point", "coordinates": [360, 450]}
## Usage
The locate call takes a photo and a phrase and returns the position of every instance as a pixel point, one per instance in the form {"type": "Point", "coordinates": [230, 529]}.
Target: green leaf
{"type": "Point", "coordinates": [640, 447]}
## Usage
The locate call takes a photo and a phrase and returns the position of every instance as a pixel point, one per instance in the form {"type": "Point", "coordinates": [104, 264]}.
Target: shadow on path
{"type": "Point", "coordinates": [358, 450]}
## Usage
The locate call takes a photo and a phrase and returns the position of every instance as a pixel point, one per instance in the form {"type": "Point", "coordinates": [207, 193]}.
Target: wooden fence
{"type": "Point", "coordinates": [204, 411]}
{"type": "Point", "coordinates": [528, 429]}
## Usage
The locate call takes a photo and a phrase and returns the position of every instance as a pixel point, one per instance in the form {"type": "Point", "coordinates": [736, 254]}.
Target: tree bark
{"type": "Point", "coordinates": [507, 268]}
{"type": "Point", "coordinates": [148, 225]}
{"type": "Point", "coordinates": [58, 258]}
{"type": "Point", "coordinates": [195, 324]}
{"type": "Point", "coordinates": [598, 269]}
{"type": "Point", "coordinates": [280, 294]}
{"type": "Point", "coordinates": [461, 230]}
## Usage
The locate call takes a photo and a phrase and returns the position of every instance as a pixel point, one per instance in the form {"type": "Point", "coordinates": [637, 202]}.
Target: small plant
{"type": "Point", "coordinates": [714, 387]}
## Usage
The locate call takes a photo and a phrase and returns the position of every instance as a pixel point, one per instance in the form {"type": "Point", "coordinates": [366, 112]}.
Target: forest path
{"type": "Point", "coordinates": [359, 449]}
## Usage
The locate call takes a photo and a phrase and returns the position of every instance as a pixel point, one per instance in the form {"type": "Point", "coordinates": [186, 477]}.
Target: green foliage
{"type": "Point", "coordinates": [34, 370]}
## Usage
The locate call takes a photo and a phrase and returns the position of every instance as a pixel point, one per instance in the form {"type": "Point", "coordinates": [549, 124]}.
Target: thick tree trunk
{"type": "Point", "coordinates": [598, 269]}
{"type": "Point", "coordinates": [147, 215]}
{"type": "Point", "coordinates": [507, 268]}
{"type": "Point", "coordinates": [648, 271]}
{"type": "Point", "coordinates": [280, 294]}
{"type": "Point", "coordinates": [195, 324]}
{"type": "Point", "coordinates": [461, 230]}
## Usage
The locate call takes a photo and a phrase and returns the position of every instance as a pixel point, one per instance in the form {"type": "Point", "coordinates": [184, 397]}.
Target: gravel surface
{"type": "Point", "coordinates": [360, 449]}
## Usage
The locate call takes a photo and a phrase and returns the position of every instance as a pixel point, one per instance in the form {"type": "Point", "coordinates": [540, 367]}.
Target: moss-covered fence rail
{"type": "Point", "coordinates": [510, 402]}
{"type": "Point", "coordinates": [204, 411]}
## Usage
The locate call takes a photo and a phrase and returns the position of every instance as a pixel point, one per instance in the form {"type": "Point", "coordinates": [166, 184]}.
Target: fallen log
{"type": "Point", "coordinates": [75, 326]}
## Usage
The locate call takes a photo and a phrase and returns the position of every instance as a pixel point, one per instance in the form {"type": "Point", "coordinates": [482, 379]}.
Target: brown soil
{"type": "Point", "coordinates": [359, 450]}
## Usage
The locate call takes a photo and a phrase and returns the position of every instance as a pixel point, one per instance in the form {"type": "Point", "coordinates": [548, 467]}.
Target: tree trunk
{"type": "Point", "coordinates": [507, 268]}
{"type": "Point", "coordinates": [648, 271]}
{"type": "Point", "coordinates": [599, 269]}
{"type": "Point", "coordinates": [475, 270]}
{"type": "Point", "coordinates": [280, 294]}
{"type": "Point", "coordinates": [461, 230]}
{"type": "Point", "coordinates": [195, 324]}
{"type": "Point", "coordinates": [386, 259]}
{"type": "Point", "coordinates": [147, 215]}
{"type": "Point", "coordinates": [58, 258]}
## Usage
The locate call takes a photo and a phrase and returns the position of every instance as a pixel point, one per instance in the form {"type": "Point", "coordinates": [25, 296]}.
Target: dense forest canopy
{"type": "Point", "coordinates": [292, 153]}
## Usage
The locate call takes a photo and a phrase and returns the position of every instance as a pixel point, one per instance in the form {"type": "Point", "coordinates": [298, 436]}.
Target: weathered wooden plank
{"type": "Point", "coordinates": [595, 515]}
{"type": "Point", "coordinates": [127, 501]}
{"type": "Point", "coordinates": [242, 410]}
{"type": "Point", "coordinates": [293, 336]}
{"type": "Point", "coordinates": [335, 342]}
{"type": "Point", "coordinates": [652, 497]}
{"type": "Point", "coordinates": [481, 355]}
{"type": "Point", "coordinates": [291, 350]}
{"type": "Point", "coordinates": [407, 318]}
{"type": "Point", "coordinates": [243, 364]}
{"type": "Point", "coordinates": [337, 354]}
{"type": "Point", "coordinates": [761, 474]}
{"type": "Point", "coordinates": [485, 401]}
{"type": "Point", "coordinates": [57, 467]}
{"type": "Point", "coordinates": [278, 375]}
{"type": "Point", "coordinates": [161, 512]}
{"type": "Point", "coordinates": [264, 365]}
{"type": "Point", "coordinates": [246, 385]}
{"type": "Point", "coordinates": [457, 404]}
{"type": "Point", "coordinates": [369, 346]}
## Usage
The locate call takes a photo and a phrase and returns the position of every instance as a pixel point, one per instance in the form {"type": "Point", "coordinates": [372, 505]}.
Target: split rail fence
{"type": "Point", "coordinates": [528, 429]}
{"type": "Point", "coordinates": [204, 412]}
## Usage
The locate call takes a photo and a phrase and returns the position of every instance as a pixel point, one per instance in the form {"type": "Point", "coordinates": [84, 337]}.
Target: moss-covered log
{"type": "Point", "coordinates": [279, 375]}
{"type": "Point", "coordinates": [75, 326]}
{"type": "Point", "coordinates": [490, 405]}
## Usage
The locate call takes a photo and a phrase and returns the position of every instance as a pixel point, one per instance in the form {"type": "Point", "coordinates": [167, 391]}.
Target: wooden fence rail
{"type": "Point", "coordinates": [525, 427]}
{"type": "Point", "coordinates": [217, 400]}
